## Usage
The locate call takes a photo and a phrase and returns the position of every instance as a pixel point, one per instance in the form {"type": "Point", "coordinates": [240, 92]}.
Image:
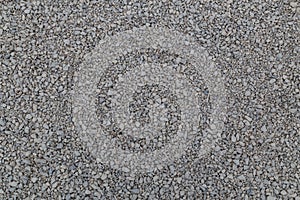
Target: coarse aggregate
{"type": "Point", "coordinates": [254, 45]}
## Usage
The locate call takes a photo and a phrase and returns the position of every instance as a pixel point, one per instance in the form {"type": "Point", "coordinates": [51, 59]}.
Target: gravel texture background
{"type": "Point", "coordinates": [255, 45]}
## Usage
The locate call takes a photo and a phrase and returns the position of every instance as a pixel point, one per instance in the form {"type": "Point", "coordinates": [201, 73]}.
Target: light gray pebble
{"type": "Point", "coordinates": [27, 11]}
{"type": "Point", "coordinates": [13, 184]}
{"type": "Point", "coordinates": [103, 176]}
{"type": "Point", "coordinates": [263, 128]}
{"type": "Point", "coordinates": [34, 179]}
{"type": "Point", "coordinates": [87, 192]}
{"type": "Point", "coordinates": [125, 169]}
{"type": "Point", "coordinates": [26, 129]}
{"type": "Point", "coordinates": [294, 4]}
{"type": "Point", "coordinates": [19, 49]}
{"type": "Point", "coordinates": [233, 138]}
{"type": "Point", "coordinates": [135, 190]}
{"type": "Point", "coordinates": [59, 146]}
{"type": "Point", "coordinates": [2, 122]}
{"type": "Point", "coordinates": [247, 93]}
{"type": "Point", "coordinates": [28, 116]}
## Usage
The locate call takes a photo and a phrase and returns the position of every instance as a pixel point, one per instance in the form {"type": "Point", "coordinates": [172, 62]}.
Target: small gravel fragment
{"type": "Point", "coordinates": [34, 179]}
{"type": "Point", "coordinates": [263, 129]}
{"type": "Point", "coordinates": [13, 184]}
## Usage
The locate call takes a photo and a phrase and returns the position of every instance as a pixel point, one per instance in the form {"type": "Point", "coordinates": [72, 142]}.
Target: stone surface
{"type": "Point", "coordinates": [253, 44]}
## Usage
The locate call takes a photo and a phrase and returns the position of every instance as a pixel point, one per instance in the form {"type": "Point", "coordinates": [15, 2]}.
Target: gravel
{"type": "Point", "coordinates": [253, 47]}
